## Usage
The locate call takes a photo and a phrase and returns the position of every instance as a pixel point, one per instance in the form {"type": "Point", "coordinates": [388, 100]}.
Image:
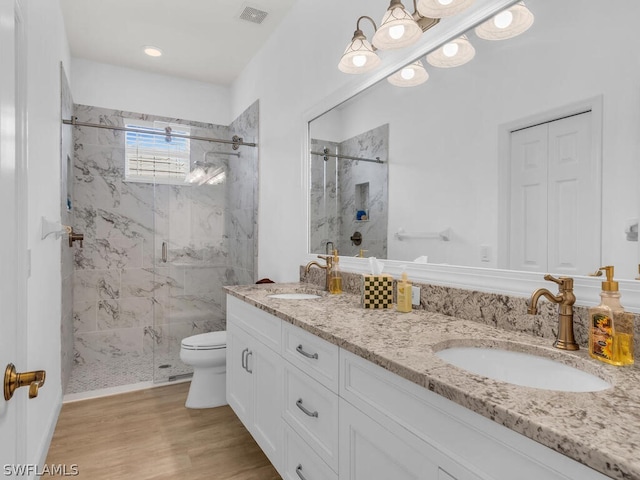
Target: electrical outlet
{"type": "Point", "coordinates": [415, 296]}
{"type": "Point", "coordinates": [485, 253]}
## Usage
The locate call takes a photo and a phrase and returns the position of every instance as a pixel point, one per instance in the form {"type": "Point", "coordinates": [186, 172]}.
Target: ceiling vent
{"type": "Point", "coordinates": [253, 15]}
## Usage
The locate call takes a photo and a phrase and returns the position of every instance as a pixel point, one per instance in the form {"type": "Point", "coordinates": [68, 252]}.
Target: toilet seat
{"type": "Point", "coordinates": [205, 341]}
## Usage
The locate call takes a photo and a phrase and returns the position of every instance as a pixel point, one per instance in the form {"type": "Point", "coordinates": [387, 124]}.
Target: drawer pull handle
{"type": "Point", "coordinates": [307, 412]}
{"type": "Point", "coordinates": [249, 353]}
{"type": "Point", "coordinates": [244, 358]}
{"type": "Point", "coordinates": [308, 355]}
{"type": "Point", "coordinates": [299, 472]}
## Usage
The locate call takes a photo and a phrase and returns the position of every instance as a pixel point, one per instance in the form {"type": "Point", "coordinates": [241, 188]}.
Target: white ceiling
{"type": "Point", "coordinates": [202, 40]}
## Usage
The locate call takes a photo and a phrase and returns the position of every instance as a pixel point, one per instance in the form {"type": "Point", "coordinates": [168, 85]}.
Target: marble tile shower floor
{"type": "Point", "coordinates": [119, 372]}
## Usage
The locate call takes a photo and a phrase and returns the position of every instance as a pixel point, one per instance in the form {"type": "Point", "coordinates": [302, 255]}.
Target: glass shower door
{"type": "Point", "coordinates": [191, 260]}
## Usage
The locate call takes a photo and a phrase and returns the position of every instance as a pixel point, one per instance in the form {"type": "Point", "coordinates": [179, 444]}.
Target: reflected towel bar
{"type": "Point", "coordinates": [444, 235]}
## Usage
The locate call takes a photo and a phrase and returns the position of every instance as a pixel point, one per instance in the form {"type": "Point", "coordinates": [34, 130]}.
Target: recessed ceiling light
{"type": "Point", "coordinates": [152, 51]}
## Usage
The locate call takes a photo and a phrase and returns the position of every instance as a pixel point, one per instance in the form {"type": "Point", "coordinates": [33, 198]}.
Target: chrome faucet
{"type": "Point", "coordinates": [329, 263]}
{"type": "Point", "coordinates": [565, 300]}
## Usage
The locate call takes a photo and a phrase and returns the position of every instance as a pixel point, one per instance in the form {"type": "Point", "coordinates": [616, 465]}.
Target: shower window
{"type": "Point", "coordinates": [153, 158]}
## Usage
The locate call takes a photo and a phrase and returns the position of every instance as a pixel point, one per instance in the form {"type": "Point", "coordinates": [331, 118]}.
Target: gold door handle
{"type": "Point", "coordinates": [14, 380]}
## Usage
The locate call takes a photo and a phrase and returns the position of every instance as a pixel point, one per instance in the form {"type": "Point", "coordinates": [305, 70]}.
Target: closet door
{"type": "Point", "coordinates": [574, 199]}
{"type": "Point", "coordinates": [555, 199]}
{"type": "Point", "coordinates": [528, 222]}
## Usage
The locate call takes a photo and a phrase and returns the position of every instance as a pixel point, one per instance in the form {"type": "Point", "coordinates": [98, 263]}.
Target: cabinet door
{"type": "Point", "coordinates": [368, 451]}
{"type": "Point", "coordinates": [239, 379]}
{"type": "Point", "coordinates": [266, 369]}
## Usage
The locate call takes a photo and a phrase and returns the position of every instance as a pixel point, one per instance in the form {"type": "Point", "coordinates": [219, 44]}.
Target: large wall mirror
{"type": "Point", "coordinates": [525, 158]}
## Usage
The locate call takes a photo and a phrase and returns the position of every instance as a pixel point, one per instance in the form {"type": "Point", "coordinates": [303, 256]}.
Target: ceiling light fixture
{"type": "Point", "coordinates": [398, 28]}
{"type": "Point", "coordinates": [442, 8]}
{"type": "Point", "coordinates": [360, 55]}
{"type": "Point", "coordinates": [152, 51]}
{"type": "Point", "coordinates": [452, 54]}
{"type": "Point", "coordinates": [506, 24]}
{"type": "Point", "coordinates": [410, 76]}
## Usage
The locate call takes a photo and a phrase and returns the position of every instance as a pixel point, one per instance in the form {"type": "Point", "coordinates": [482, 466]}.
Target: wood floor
{"type": "Point", "coordinates": [150, 434]}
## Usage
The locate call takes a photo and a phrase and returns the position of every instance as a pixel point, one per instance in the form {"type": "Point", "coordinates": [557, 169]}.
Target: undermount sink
{"type": "Point", "coordinates": [294, 296]}
{"type": "Point", "coordinates": [522, 369]}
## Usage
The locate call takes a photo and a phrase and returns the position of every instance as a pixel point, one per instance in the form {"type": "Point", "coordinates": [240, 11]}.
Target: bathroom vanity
{"type": "Point", "coordinates": [333, 391]}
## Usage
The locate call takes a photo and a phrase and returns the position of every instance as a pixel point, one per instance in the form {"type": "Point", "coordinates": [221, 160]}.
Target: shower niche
{"type": "Point", "coordinates": [349, 192]}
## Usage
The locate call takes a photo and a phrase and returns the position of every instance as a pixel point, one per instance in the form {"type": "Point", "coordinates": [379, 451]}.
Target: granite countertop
{"type": "Point", "coordinates": [598, 429]}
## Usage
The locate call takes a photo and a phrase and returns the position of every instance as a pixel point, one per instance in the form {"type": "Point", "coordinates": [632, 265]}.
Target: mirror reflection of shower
{"type": "Point", "coordinates": [211, 170]}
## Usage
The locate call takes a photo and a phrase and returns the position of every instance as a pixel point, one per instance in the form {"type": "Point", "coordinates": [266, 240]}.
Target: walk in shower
{"type": "Point", "coordinates": [168, 220]}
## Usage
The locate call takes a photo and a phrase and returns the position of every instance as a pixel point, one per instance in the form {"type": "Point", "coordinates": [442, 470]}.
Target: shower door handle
{"type": "Point", "coordinates": [164, 252]}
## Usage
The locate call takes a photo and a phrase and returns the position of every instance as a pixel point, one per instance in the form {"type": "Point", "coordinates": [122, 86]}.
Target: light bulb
{"type": "Point", "coordinates": [450, 49]}
{"type": "Point", "coordinates": [152, 51]}
{"type": "Point", "coordinates": [503, 19]}
{"type": "Point", "coordinates": [396, 32]}
{"type": "Point", "coordinates": [445, 2]}
{"type": "Point", "coordinates": [408, 73]}
{"type": "Point", "coordinates": [359, 60]}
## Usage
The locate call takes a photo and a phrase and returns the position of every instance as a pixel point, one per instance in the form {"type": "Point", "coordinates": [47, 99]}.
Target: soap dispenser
{"type": "Point", "coordinates": [335, 279]}
{"type": "Point", "coordinates": [403, 295]}
{"type": "Point", "coordinates": [610, 327]}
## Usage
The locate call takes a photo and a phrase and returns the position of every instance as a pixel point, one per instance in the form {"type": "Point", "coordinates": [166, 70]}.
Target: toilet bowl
{"type": "Point", "coordinates": [206, 353]}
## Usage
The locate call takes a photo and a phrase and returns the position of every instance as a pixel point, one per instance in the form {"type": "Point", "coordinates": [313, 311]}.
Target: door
{"type": "Point", "coordinates": [370, 452]}
{"type": "Point", "coordinates": [555, 201]}
{"type": "Point", "coordinates": [239, 380]}
{"type": "Point", "coordinates": [266, 368]}
{"type": "Point", "coordinates": [13, 218]}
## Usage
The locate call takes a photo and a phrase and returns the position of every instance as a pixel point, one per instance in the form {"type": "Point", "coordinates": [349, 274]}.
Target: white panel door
{"type": "Point", "coordinates": [368, 451]}
{"type": "Point", "coordinates": [528, 219]}
{"type": "Point", "coordinates": [12, 276]}
{"type": "Point", "coordinates": [239, 379]}
{"type": "Point", "coordinates": [574, 198]}
{"type": "Point", "coordinates": [555, 198]}
{"type": "Point", "coordinates": [266, 368]}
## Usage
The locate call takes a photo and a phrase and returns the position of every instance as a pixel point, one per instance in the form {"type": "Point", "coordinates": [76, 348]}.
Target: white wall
{"type": "Point", "coordinates": [295, 70]}
{"type": "Point", "coordinates": [286, 92]}
{"type": "Point", "coordinates": [47, 47]}
{"type": "Point", "coordinates": [120, 88]}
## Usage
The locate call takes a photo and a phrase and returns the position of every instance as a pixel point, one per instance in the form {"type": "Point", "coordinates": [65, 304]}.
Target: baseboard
{"type": "Point", "coordinates": [106, 392]}
{"type": "Point", "coordinates": [43, 450]}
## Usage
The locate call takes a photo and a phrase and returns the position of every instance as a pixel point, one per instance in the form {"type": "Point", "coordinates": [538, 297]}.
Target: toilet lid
{"type": "Point", "coordinates": [206, 341]}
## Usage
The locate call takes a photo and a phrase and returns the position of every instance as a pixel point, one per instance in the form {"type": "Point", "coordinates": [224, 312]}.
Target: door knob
{"type": "Point", "coordinates": [14, 380]}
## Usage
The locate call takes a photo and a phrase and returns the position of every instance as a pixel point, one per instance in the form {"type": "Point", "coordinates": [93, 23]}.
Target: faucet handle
{"type": "Point", "coordinates": [566, 283]}
{"type": "Point", "coordinates": [328, 259]}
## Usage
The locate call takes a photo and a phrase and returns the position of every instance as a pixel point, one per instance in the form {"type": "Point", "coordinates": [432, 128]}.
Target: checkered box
{"type": "Point", "coordinates": [377, 291]}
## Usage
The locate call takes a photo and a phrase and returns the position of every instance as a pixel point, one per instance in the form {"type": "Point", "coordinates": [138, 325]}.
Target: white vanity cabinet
{"type": "Point", "coordinates": [322, 412]}
{"type": "Point", "coordinates": [254, 374]}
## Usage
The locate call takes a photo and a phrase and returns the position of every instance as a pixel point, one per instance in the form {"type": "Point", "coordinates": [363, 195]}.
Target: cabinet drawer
{"type": "Point", "coordinates": [301, 462]}
{"type": "Point", "coordinates": [312, 411]}
{"type": "Point", "coordinates": [261, 325]}
{"type": "Point", "coordinates": [313, 355]}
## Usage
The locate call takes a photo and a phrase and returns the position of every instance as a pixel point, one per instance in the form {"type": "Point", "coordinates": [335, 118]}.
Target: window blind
{"type": "Point", "coordinates": [151, 158]}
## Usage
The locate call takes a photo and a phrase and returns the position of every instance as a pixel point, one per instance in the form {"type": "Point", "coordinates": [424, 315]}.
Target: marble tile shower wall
{"type": "Point", "coordinates": [66, 218]}
{"type": "Point", "coordinates": [323, 197]}
{"type": "Point", "coordinates": [242, 199]}
{"type": "Point", "coordinates": [127, 302]}
{"type": "Point", "coordinates": [371, 144]}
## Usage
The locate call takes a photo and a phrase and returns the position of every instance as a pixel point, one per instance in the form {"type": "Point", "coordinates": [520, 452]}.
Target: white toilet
{"type": "Point", "coordinates": [206, 353]}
